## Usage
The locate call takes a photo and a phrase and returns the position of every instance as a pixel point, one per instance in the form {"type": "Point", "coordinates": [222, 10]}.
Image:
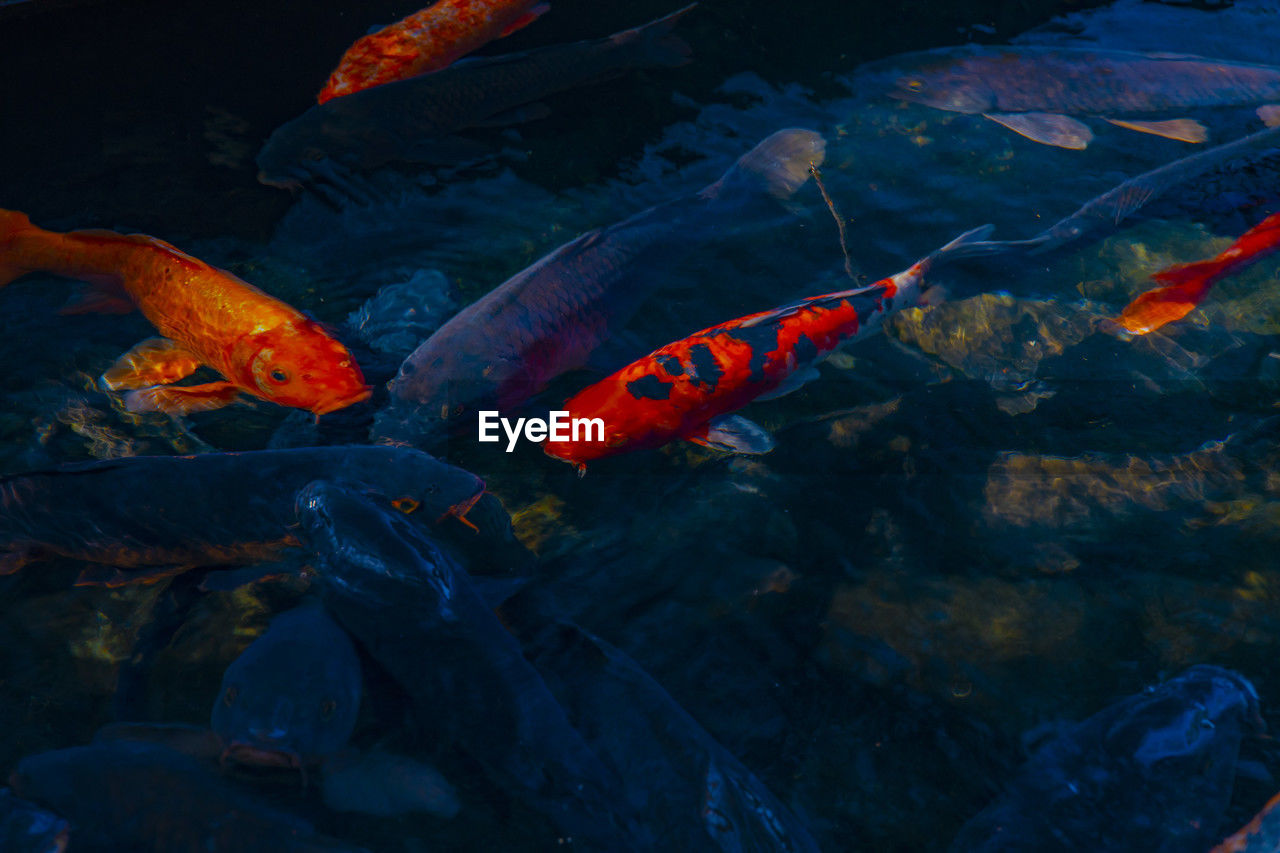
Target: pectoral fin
{"type": "Point", "coordinates": [155, 361]}
{"type": "Point", "coordinates": [734, 434]}
{"type": "Point", "coordinates": [526, 19]}
{"type": "Point", "coordinates": [1181, 129]}
{"type": "Point", "coordinates": [1270, 114]}
{"type": "Point", "coordinates": [182, 399]}
{"type": "Point", "coordinates": [792, 383]}
{"type": "Point", "coordinates": [1046, 128]}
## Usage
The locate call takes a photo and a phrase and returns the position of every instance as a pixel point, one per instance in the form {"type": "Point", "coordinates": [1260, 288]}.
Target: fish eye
{"type": "Point", "coordinates": [457, 410]}
{"type": "Point", "coordinates": [279, 376]}
{"type": "Point", "coordinates": [313, 154]}
{"type": "Point", "coordinates": [405, 505]}
{"type": "Point", "coordinates": [229, 697]}
{"type": "Point", "coordinates": [327, 707]}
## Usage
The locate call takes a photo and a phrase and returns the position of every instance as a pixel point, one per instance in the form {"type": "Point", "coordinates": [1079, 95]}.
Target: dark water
{"type": "Point", "coordinates": [994, 519]}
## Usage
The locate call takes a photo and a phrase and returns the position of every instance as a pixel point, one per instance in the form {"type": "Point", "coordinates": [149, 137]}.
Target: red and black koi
{"type": "Point", "coordinates": [688, 388]}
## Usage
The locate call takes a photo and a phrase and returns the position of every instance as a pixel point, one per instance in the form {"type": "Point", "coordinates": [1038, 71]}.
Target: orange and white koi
{"type": "Point", "coordinates": [1186, 285]}
{"type": "Point", "coordinates": [207, 316]}
{"type": "Point", "coordinates": [428, 40]}
{"type": "Point", "coordinates": [687, 389]}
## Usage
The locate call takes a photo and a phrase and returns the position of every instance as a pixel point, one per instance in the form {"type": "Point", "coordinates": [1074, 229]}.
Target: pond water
{"type": "Point", "coordinates": [991, 521]}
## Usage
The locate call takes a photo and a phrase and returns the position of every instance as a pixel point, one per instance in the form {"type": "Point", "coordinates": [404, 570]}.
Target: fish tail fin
{"type": "Point", "coordinates": [657, 45]}
{"type": "Point", "coordinates": [11, 223]}
{"type": "Point", "coordinates": [777, 166]}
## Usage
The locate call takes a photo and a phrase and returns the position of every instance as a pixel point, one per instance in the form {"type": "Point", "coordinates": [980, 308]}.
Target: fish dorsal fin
{"type": "Point", "coordinates": [1046, 128]}
{"type": "Point", "coordinates": [1181, 129]}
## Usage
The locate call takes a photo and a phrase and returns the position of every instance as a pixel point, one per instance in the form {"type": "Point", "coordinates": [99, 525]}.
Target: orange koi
{"type": "Point", "coordinates": [426, 41]}
{"type": "Point", "coordinates": [1186, 285]}
{"type": "Point", "coordinates": [207, 316]}
{"type": "Point", "coordinates": [687, 389]}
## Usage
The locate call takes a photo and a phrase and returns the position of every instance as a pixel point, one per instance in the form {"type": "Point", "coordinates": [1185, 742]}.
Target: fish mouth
{"type": "Point", "coordinates": [291, 184]}
{"type": "Point", "coordinates": [336, 403]}
{"type": "Point", "coordinates": [256, 755]}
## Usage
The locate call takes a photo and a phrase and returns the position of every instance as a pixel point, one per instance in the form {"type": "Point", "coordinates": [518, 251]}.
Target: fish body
{"type": "Point", "coordinates": [682, 390]}
{"type": "Point", "coordinates": [27, 828]}
{"type": "Point", "coordinates": [1032, 90]}
{"type": "Point", "coordinates": [1151, 772]}
{"type": "Point", "coordinates": [550, 317]}
{"type": "Point", "coordinates": [1184, 286]}
{"type": "Point", "coordinates": [141, 518]}
{"type": "Point", "coordinates": [400, 120]}
{"type": "Point", "coordinates": [208, 317]}
{"type": "Point", "coordinates": [692, 791]}
{"type": "Point", "coordinates": [141, 797]}
{"type": "Point", "coordinates": [428, 40]}
{"type": "Point", "coordinates": [291, 698]}
{"type": "Point", "coordinates": [419, 616]}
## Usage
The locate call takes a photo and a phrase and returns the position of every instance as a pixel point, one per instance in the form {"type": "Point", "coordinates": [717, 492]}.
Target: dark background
{"type": "Point", "coordinates": [146, 114]}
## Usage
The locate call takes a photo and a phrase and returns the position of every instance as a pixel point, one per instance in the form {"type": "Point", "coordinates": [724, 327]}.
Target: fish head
{"type": "Point", "coordinates": [293, 695]}
{"type": "Point", "coordinates": [944, 87]}
{"type": "Point", "coordinates": [1187, 720]}
{"type": "Point", "coordinates": [373, 554]}
{"type": "Point", "coordinates": [295, 152]}
{"type": "Point", "coordinates": [415, 483]}
{"type": "Point", "coordinates": [297, 364]}
{"type": "Point", "coordinates": [608, 418]}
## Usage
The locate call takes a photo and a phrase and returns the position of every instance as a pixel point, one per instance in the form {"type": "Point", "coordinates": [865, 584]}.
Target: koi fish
{"type": "Point", "coordinates": [236, 508]}
{"type": "Point", "coordinates": [122, 795]}
{"type": "Point", "coordinates": [1033, 91]}
{"type": "Point", "coordinates": [1230, 176]}
{"type": "Point", "coordinates": [404, 120]}
{"type": "Point", "coordinates": [693, 791]}
{"type": "Point", "coordinates": [207, 316]}
{"type": "Point", "coordinates": [1152, 772]}
{"type": "Point", "coordinates": [398, 594]}
{"type": "Point", "coordinates": [686, 389]}
{"type": "Point", "coordinates": [1186, 285]}
{"type": "Point", "coordinates": [428, 40]}
{"type": "Point", "coordinates": [291, 698]}
{"type": "Point", "coordinates": [548, 319]}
